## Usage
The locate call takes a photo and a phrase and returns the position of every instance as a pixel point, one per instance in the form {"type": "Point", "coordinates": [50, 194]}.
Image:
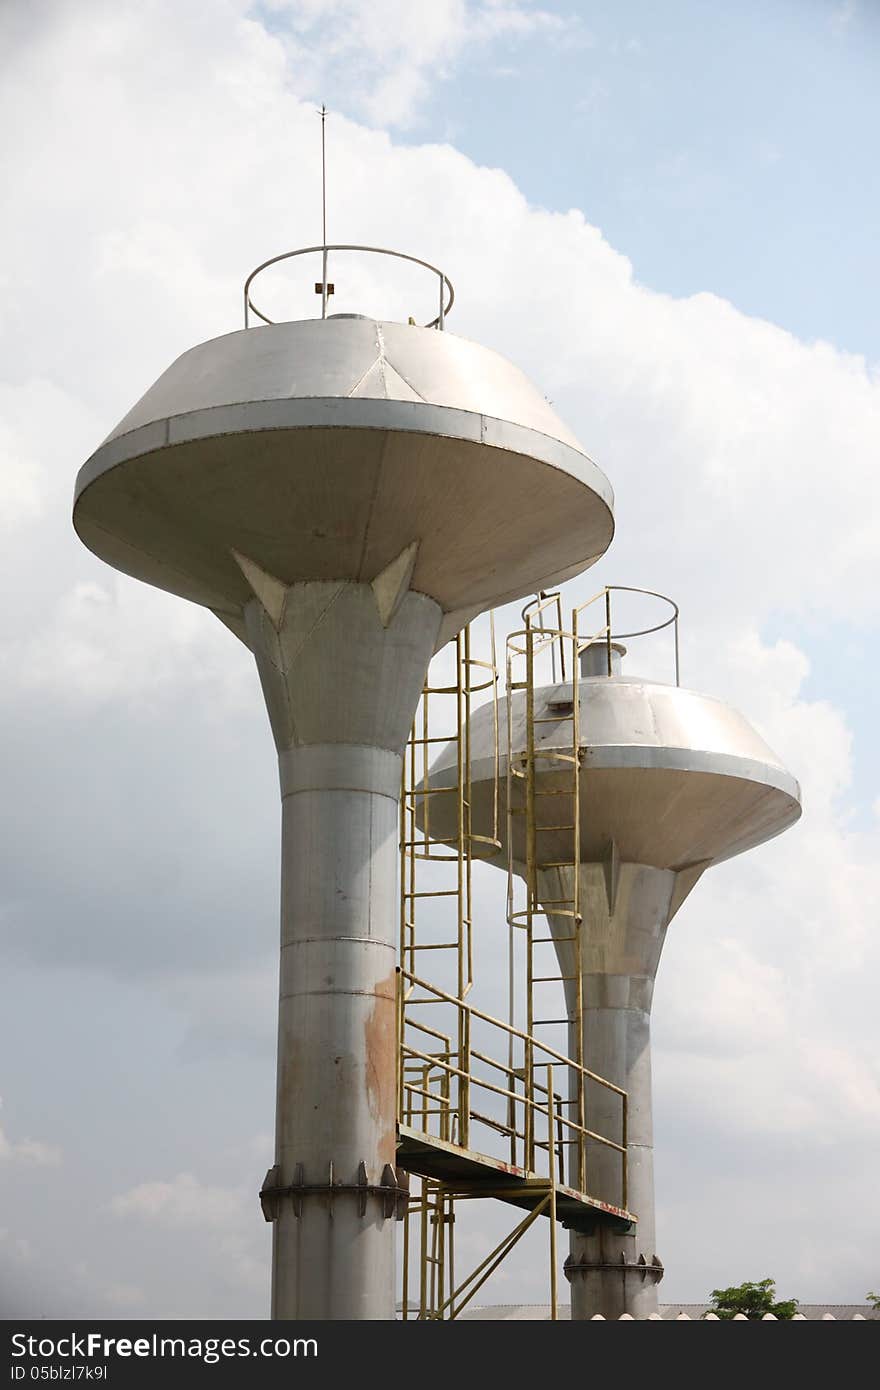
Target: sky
{"type": "Point", "coordinates": [667, 216]}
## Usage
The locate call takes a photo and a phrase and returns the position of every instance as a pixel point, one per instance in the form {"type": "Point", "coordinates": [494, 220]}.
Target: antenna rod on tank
{"type": "Point", "coordinates": [324, 286]}
{"type": "Point", "coordinates": [323, 114]}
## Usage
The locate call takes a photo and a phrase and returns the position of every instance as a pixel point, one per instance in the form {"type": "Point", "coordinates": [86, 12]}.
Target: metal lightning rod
{"type": "Point", "coordinates": [324, 286]}
{"type": "Point", "coordinates": [323, 114]}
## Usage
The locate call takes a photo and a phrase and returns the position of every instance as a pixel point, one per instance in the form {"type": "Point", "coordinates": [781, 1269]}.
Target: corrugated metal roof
{"type": "Point", "coordinates": [683, 1312]}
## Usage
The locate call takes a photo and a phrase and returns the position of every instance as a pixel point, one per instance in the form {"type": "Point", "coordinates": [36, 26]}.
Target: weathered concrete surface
{"type": "Point", "coordinates": [620, 952]}
{"type": "Point", "coordinates": [341, 690]}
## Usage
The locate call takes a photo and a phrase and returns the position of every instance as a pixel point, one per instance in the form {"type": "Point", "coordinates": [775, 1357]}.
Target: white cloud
{"type": "Point", "coordinates": [22, 493]}
{"type": "Point", "coordinates": [381, 60]}
{"type": "Point", "coordinates": [842, 16]}
{"type": "Point", "coordinates": [221, 1225]}
{"type": "Point", "coordinates": [28, 1151]}
{"type": "Point", "coordinates": [182, 1201]}
{"type": "Point", "coordinates": [105, 641]}
{"type": "Point", "coordinates": [228, 1011]}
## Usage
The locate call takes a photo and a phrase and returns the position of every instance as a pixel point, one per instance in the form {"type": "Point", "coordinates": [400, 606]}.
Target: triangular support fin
{"type": "Point", "coordinates": [271, 592]}
{"type": "Point", "coordinates": [611, 874]}
{"type": "Point", "coordinates": [390, 586]}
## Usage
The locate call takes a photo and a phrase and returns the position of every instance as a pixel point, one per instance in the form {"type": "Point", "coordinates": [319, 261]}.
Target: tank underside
{"type": "Point", "coordinates": [342, 502]}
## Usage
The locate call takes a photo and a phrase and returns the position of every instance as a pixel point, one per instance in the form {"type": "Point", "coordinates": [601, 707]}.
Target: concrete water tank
{"type": "Point", "coordinates": [671, 782]}
{"type": "Point", "coordinates": [344, 494]}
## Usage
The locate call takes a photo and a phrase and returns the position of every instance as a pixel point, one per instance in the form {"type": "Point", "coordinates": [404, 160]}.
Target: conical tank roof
{"type": "Point", "coordinates": [324, 449]}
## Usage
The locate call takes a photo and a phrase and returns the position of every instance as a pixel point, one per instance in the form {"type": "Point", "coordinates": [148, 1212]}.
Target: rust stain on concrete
{"type": "Point", "coordinates": [380, 1038]}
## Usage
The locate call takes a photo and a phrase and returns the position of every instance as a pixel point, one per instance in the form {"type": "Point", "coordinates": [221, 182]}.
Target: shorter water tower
{"type": "Point", "coordinates": [619, 793]}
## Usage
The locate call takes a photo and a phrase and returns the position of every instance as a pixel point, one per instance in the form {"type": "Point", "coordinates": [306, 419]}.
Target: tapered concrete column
{"type": "Point", "coordinates": [341, 688]}
{"type": "Point", "coordinates": [626, 909]}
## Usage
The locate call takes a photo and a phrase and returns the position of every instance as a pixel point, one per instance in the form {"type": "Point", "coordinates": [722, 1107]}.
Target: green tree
{"type": "Point", "coordinates": [874, 1300]}
{"type": "Point", "coordinates": [753, 1300]}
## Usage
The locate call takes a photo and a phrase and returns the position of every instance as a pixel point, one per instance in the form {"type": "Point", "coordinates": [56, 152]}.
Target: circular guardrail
{"type": "Point", "coordinates": [323, 286]}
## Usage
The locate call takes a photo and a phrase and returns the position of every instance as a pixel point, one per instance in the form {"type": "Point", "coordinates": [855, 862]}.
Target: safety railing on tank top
{"type": "Point", "coordinates": [325, 287]}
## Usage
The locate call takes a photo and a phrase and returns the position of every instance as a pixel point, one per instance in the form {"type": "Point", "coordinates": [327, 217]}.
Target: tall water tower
{"type": "Point", "coordinates": [344, 494]}
{"type": "Point", "coordinates": [627, 791]}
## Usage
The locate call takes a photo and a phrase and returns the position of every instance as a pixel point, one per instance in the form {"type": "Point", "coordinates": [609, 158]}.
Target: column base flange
{"type": "Point", "coordinates": [647, 1269]}
{"type": "Point", "coordinates": [392, 1190]}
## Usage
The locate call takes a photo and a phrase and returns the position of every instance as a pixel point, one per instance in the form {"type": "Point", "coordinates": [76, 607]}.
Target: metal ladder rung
{"type": "Point", "coordinates": [554, 827]}
{"type": "Point", "coordinates": [424, 840]}
{"type": "Point", "coordinates": [550, 979]}
{"type": "Point", "coordinates": [441, 893]}
{"type": "Point", "coordinates": [540, 1022]}
{"type": "Point", "coordinates": [551, 940]}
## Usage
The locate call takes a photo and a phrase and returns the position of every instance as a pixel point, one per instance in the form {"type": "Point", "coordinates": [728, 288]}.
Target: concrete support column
{"type": "Point", "coordinates": [626, 909]}
{"type": "Point", "coordinates": [341, 687]}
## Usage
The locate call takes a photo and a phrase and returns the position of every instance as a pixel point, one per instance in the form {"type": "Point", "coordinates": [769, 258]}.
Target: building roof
{"type": "Point", "coordinates": [540, 1312]}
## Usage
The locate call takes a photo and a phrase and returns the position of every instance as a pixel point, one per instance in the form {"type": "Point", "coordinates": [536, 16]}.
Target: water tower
{"type": "Point", "coordinates": [344, 494]}
{"type": "Point", "coordinates": [620, 793]}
